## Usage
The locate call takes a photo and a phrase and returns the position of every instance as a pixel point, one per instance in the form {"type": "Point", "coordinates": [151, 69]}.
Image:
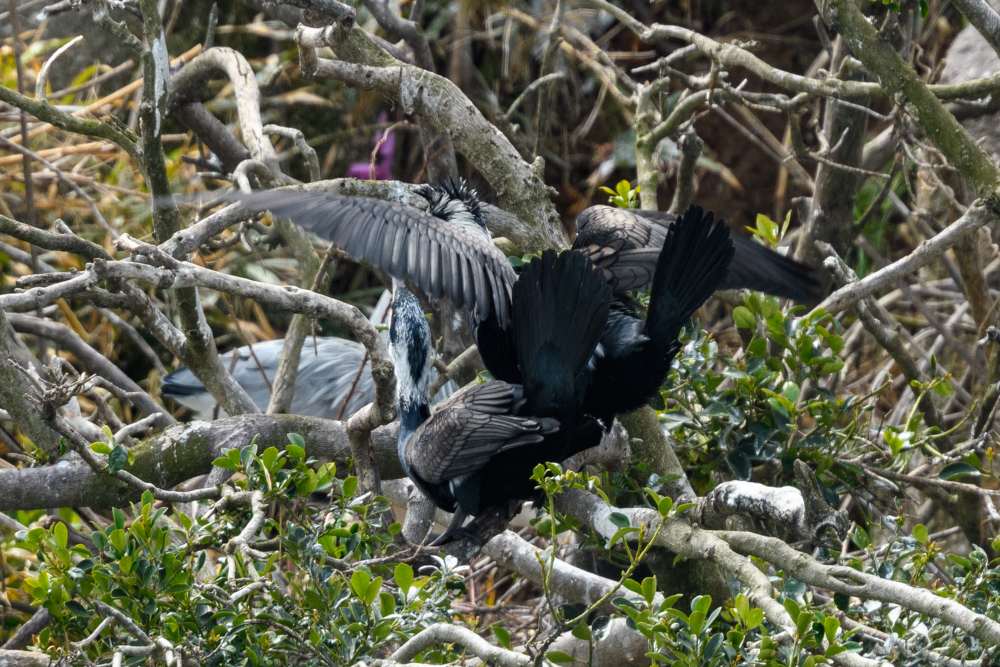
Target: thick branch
{"type": "Point", "coordinates": [679, 537]}
{"type": "Point", "coordinates": [52, 241]}
{"type": "Point", "coordinates": [902, 82]}
{"type": "Point", "coordinates": [572, 583]}
{"type": "Point", "coordinates": [691, 147]}
{"type": "Point", "coordinates": [849, 581]}
{"type": "Point", "coordinates": [442, 103]}
{"type": "Point", "coordinates": [14, 399]}
{"type": "Point", "coordinates": [180, 453]}
{"type": "Point", "coordinates": [931, 249]}
{"type": "Point", "coordinates": [651, 446]}
{"type": "Point", "coordinates": [981, 15]}
{"type": "Point", "coordinates": [287, 298]}
{"type": "Point", "coordinates": [189, 83]}
{"type": "Point", "coordinates": [446, 633]}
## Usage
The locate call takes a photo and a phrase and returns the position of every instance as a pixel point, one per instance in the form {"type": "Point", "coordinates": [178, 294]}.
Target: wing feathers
{"type": "Point", "coordinates": [614, 240]}
{"type": "Point", "coordinates": [469, 429]}
{"type": "Point", "coordinates": [446, 258]}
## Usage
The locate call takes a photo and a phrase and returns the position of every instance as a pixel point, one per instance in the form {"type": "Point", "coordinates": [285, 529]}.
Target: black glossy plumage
{"type": "Point", "coordinates": [626, 244]}
{"type": "Point", "coordinates": [480, 448]}
{"type": "Point", "coordinates": [637, 353]}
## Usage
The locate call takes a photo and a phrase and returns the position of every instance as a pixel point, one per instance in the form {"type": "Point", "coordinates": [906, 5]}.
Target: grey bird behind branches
{"type": "Point", "coordinates": [334, 378]}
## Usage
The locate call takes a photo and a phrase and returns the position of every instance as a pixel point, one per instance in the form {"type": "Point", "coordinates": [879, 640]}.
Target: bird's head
{"type": "Point", "coordinates": [410, 347]}
{"type": "Point", "coordinates": [454, 201]}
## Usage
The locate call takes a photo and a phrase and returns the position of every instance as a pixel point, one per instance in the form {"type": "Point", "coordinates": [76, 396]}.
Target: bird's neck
{"type": "Point", "coordinates": [411, 416]}
{"type": "Point", "coordinates": [410, 347]}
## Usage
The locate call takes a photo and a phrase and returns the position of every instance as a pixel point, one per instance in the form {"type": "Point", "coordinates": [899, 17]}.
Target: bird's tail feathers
{"type": "Point", "coordinates": [693, 262]}
{"type": "Point", "coordinates": [757, 267]}
{"type": "Point", "coordinates": [560, 306]}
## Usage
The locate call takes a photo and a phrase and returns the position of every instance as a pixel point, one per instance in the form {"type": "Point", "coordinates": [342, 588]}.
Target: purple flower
{"type": "Point", "coordinates": [384, 142]}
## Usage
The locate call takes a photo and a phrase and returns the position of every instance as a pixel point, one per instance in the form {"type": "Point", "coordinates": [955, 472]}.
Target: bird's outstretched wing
{"type": "Point", "coordinates": [449, 258]}
{"type": "Point", "coordinates": [472, 427]}
{"type": "Point", "coordinates": [625, 243]}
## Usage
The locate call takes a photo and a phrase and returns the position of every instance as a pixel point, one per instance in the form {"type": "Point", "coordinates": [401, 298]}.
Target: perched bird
{"type": "Point", "coordinates": [478, 450]}
{"type": "Point", "coordinates": [626, 244]}
{"type": "Point", "coordinates": [333, 381]}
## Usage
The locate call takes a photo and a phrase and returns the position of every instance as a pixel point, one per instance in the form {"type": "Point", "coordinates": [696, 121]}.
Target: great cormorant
{"type": "Point", "coordinates": [478, 450]}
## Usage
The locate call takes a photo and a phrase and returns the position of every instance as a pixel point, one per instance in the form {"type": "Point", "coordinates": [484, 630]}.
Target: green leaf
{"type": "Point", "coordinates": [664, 506]}
{"type": "Point", "coordinates": [359, 583]}
{"type": "Point", "coordinates": [224, 462]}
{"type": "Point", "coordinates": [100, 447]}
{"type": "Point", "coordinates": [793, 610]}
{"type": "Point", "coordinates": [742, 606]}
{"type": "Point", "coordinates": [60, 533]}
{"type": "Point", "coordinates": [619, 520]}
{"type": "Point", "coordinates": [500, 632]}
{"type": "Point", "coordinates": [649, 589]}
{"type": "Point", "coordinates": [621, 533]}
{"type": "Point", "coordinates": [830, 366]}
{"type": "Point", "coordinates": [962, 562]}
{"type": "Point", "coordinates": [920, 533]}
{"type": "Point", "coordinates": [697, 621]}
{"type": "Point", "coordinates": [117, 459]}
{"type": "Point", "coordinates": [803, 623]}
{"type": "Point", "coordinates": [559, 656]}
{"type": "Point", "coordinates": [117, 538]}
{"type": "Point", "coordinates": [297, 440]}
{"type": "Point", "coordinates": [582, 631]}
{"type": "Point", "coordinates": [743, 317]}
{"type": "Point", "coordinates": [308, 484]}
{"type": "Point", "coordinates": [943, 388]}
{"type": "Point", "coordinates": [403, 574]}
{"type": "Point", "coordinates": [373, 590]}
{"type": "Point", "coordinates": [754, 618]}
{"type": "Point", "coordinates": [861, 537]}
{"type": "Point", "coordinates": [739, 464]}
{"type": "Point", "coordinates": [843, 601]}
{"type": "Point", "coordinates": [957, 469]}
{"type": "Point", "coordinates": [386, 604]}
{"type": "Point", "coordinates": [830, 627]}
{"type": "Point", "coordinates": [269, 456]}
{"type": "Point", "coordinates": [350, 486]}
